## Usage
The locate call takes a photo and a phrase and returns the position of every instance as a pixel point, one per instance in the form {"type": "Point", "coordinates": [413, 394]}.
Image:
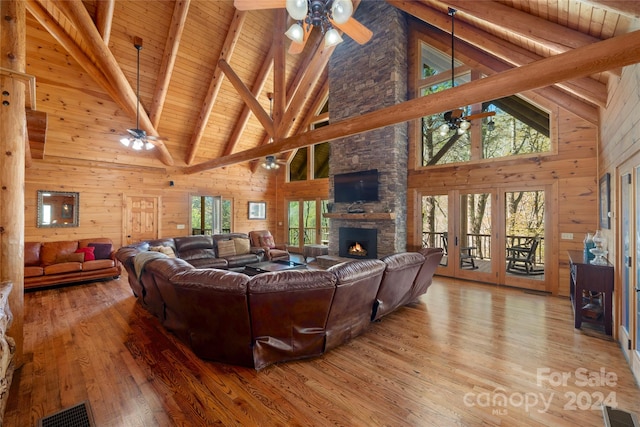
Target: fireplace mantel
{"type": "Point", "coordinates": [362, 216]}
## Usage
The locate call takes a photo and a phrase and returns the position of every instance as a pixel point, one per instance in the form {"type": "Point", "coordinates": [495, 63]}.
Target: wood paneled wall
{"type": "Point", "coordinates": [620, 135]}
{"type": "Point", "coordinates": [102, 188]}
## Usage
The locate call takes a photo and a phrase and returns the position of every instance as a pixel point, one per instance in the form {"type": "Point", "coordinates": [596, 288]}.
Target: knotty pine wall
{"type": "Point", "coordinates": [103, 187]}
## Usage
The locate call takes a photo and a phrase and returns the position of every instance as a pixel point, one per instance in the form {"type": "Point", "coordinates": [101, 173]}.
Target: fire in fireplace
{"type": "Point", "coordinates": [357, 250]}
{"type": "Point", "coordinates": [358, 242]}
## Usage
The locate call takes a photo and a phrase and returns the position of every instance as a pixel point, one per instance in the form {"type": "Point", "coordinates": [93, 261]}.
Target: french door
{"type": "Point", "coordinates": [493, 235]}
{"type": "Point", "coordinates": [628, 300]}
{"type": "Point", "coordinates": [306, 223]}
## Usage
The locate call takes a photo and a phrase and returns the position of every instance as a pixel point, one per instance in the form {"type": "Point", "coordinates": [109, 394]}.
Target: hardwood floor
{"type": "Point", "coordinates": [451, 359]}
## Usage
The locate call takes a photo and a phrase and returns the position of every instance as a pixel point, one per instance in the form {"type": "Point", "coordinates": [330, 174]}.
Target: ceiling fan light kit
{"type": "Point", "coordinates": [318, 13]}
{"type": "Point", "coordinates": [270, 163]}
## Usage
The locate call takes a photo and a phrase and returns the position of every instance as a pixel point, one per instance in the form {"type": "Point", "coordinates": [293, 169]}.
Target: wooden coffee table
{"type": "Point", "coordinates": [270, 266]}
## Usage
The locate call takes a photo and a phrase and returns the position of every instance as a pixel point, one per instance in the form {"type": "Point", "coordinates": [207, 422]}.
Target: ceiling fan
{"type": "Point", "coordinates": [138, 138]}
{"type": "Point", "coordinates": [272, 162]}
{"type": "Point", "coordinates": [308, 14]}
{"type": "Point", "coordinates": [455, 119]}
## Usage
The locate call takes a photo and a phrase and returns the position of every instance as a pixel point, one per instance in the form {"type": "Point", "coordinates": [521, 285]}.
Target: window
{"type": "Point", "coordinates": [206, 215]}
{"type": "Point", "coordinates": [515, 127]}
{"type": "Point", "coordinates": [312, 162]}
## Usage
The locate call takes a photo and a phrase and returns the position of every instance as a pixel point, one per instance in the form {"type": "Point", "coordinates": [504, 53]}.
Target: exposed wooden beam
{"type": "Point", "coordinates": [178, 19]}
{"type": "Point", "coordinates": [98, 50]}
{"type": "Point", "coordinates": [489, 65]}
{"type": "Point", "coordinates": [216, 82]}
{"type": "Point", "coordinates": [258, 86]}
{"type": "Point", "coordinates": [279, 70]}
{"type": "Point", "coordinates": [584, 87]}
{"type": "Point", "coordinates": [104, 18]}
{"type": "Point", "coordinates": [612, 53]}
{"type": "Point", "coordinates": [247, 97]}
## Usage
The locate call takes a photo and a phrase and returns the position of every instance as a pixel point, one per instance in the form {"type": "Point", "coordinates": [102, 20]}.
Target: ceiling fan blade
{"type": "Point", "coordinates": [295, 47]}
{"type": "Point", "coordinates": [480, 115]}
{"type": "Point", "coordinates": [259, 4]}
{"type": "Point", "coordinates": [136, 133]}
{"type": "Point", "coordinates": [355, 30]}
{"type": "Point", "coordinates": [456, 114]}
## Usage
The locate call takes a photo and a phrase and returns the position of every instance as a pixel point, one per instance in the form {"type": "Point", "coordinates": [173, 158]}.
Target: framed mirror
{"type": "Point", "coordinates": [57, 209]}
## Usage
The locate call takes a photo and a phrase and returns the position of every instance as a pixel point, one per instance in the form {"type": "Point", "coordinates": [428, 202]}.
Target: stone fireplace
{"type": "Point", "coordinates": [365, 78]}
{"type": "Point", "coordinates": [359, 243]}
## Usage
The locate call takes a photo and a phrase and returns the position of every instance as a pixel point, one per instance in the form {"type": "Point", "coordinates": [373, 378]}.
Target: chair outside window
{"type": "Point", "coordinates": [467, 259]}
{"type": "Point", "coordinates": [521, 259]}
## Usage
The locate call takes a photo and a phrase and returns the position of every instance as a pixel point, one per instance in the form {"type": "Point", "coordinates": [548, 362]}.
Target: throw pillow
{"type": "Point", "coordinates": [163, 249]}
{"type": "Point", "coordinates": [242, 245]}
{"type": "Point", "coordinates": [267, 241]}
{"type": "Point", "coordinates": [88, 253]}
{"type": "Point", "coordinates": [226, 248]}
{"type": "Point", "coordinates": [102, 250]}
{"type": "Point", "coordinates": [72, 257]}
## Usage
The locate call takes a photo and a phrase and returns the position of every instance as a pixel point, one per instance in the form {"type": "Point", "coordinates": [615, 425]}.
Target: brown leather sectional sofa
{"type": "Point", "coordinates": [230, 317]}
{"type": "Point", "coordinates": [62, 262]}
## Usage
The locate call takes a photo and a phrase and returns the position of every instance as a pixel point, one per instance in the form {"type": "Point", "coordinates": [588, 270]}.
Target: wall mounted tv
{"type": "Point", "coordinates": [356, 186]}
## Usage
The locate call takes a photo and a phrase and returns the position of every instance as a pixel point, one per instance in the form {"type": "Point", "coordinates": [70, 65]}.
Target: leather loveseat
{"type": "Point", "coordinates": [69, 261]}
{"type": "Point", "coordinates": [230, 317]}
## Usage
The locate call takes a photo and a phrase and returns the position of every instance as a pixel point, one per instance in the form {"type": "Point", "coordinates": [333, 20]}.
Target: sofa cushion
{"type": "Point", "coordinates": [226, 248]}
{"type": "Point", "coordinates": [88, 253]}
{"type": "Point", "coordinates": [197, 254]}
{"type": "Point", "coordinates": [242, 260]}
{"type": "Point", "coordinates": [63, 267]}
{"type": "Point", "coordinates": [51, 250]}
{"type": "Point", "coordinates": [242, 245]}
{"type": "Point", "coordinates": [220, 263]}
{"type": "Point", "coordinates": [33, 271]}
{"type": "Point", "coordinates": [32, 253]}
{"type": "Point", "coordinates": [73, 257]}
{"type": "Point", "coordinates": [101, 250]}
{"type": "Point", "coordinates": [97, 264]}
{"type": "Point", "coordinates": [189, 243]}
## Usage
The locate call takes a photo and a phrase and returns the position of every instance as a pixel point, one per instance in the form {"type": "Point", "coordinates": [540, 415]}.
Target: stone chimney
{"type": "Point", "coordinates": [365, 78]}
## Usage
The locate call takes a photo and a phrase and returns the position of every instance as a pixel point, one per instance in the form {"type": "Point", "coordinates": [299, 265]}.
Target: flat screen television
{"type": "Point", "coordinates": [356, 186]}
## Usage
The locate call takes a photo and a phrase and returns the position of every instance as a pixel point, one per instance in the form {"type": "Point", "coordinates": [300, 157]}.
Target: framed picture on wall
{"type": "Point", "coordinates": [605, 203]}
{"type": "Point", "coordinates": [257, 210]}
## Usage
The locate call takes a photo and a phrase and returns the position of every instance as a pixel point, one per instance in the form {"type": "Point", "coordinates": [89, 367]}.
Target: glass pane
{"type": "Point", "coordinates": [321, 160]}
{"type": "Point", "coordinates": [298, 166]}
{"type": "Point", "coordinates": [524, 233]}
{"type": "Point", "coordinates": [309, 218]}
{"type": "Point", "coordinates": [294, 223]}
{"type": "Point", "coordinates": [518, 127]}
{"type": "Point", "coordinates": [637, 245]}
{"type": "Point", "coordinates": [435, 223]}
{"type": "Point", "coordinates": [227, 210]}
{"type": "Point", "coordinates": [625, 201]}
{"type": "Point", "coordinates": [475, 230]}
{"type": "Point", "coordinates": [324, 224]}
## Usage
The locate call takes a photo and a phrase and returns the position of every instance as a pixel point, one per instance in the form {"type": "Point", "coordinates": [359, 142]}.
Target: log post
{"type": "Point", "coordinates": [12, 162]}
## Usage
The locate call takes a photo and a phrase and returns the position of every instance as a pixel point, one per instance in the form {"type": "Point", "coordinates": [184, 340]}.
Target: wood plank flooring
{"type": "Point", "coordinates": [465, 355]}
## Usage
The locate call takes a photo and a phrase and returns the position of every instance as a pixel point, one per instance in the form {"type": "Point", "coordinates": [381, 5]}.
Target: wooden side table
{"type": "Point", "coordinates": [593, 280]}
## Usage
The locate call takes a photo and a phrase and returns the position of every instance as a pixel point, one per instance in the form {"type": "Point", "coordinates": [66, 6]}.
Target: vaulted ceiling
{"type": "Point", "coordinates": [206, 69]}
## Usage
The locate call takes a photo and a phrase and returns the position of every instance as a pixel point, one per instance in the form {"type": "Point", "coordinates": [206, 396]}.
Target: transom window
{"type": "Point", "coordinates": [516, 127]}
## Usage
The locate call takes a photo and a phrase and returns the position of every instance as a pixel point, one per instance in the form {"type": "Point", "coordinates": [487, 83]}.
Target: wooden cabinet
{"type": "Point", "coordinates": [591, 291]}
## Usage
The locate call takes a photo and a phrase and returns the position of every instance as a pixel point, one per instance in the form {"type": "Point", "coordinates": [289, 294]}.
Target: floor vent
{"type": "Point", "coordinates": [618, 418]}
{"type": "Point", "coordinates": [75, 416]}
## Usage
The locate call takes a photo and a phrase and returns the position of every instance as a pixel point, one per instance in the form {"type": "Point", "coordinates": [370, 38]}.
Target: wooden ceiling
{"type": "Point", "coordinates": [206, 69]}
